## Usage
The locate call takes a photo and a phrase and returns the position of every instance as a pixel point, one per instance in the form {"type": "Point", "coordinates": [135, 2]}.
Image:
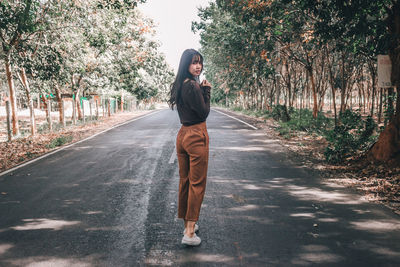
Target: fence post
{"type": "Point", "coordinates": [49, 116]}
{"type": "Point", "coordinates": [8, 110]}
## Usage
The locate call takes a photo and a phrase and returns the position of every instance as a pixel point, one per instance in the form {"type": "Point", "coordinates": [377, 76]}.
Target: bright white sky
{"type": "Point", "coordinates": [174, 20]}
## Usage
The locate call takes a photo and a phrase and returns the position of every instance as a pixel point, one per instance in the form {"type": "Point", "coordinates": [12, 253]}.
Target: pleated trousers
{"type": "Point", "coordinates": [192, 151]}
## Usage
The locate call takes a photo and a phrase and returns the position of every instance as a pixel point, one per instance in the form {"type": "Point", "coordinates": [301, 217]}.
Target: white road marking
{"type": "Point", "coordinates": [173, 156]}
{"type": "Point", "coordinates": [251, 126]}
{"type": "Point", "coordinates": [80, 141]}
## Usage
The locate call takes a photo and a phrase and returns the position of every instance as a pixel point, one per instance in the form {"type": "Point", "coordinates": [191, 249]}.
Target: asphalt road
{"type": "Point", "coordinates": [112, 201]}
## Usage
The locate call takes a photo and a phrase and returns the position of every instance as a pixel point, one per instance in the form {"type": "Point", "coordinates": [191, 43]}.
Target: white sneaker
{"type": "Point", "coordinates": [196, 229]}
{"type": "Point", "coordinates": [191, 241]}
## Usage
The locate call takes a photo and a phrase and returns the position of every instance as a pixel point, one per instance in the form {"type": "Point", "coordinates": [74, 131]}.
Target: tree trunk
{"type": "Point", "coordinates": [278, 91]}
{"type": "Point", "coordinates": [83, 111]}
{"type": "Point", "coordinates": [390, 107]}
{"type": "Point", "coordinates": [24, 81]}
{"type": "Point", "coordinates": [63, 113]}
{"type": "Point", "coordinates": [76, 94]}
{"type": "Point", "coordinates": [45, 105]}
{"type": "Point", "coordinates": [49, 121]}
{"type": "Point", "coordinates": [60, 104]}
{"type": "Point", "coordinates": [8, 115]}
{"type": "Point", "coordinates": [314, 91]}
{"type": "Point", "coordinates": [78, 104]}
{"type": "Point", "coordinates": [13, 98]}
{"type": "Point", "coordinates": [333, 89]}
{"type": "Point", "coordinates": [122, 101]}
{"type": "Point", "coordinates": [380, 106]}
{"type": "Point", "coordinates": [388, 145]}
{"type": "Point", "coordinates": [343, 89]}
{"type": "Point", "coordinates": [373, 78]}
{"type": "Point", "coordinates": [97, 109]}
{"type": "Point", "coordinates": [73, 111]}
{"type": "Point", "coordinates": [109, 107]}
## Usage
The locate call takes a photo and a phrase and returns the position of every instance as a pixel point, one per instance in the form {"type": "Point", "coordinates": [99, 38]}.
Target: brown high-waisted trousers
{"type": "Point", "coordinates": [192, 151]}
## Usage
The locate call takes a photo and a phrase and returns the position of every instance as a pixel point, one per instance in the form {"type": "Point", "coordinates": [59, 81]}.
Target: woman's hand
{"type": "Point", "coordinates": [205, 83]}
{"type": "Point", "coordinates": [206, 86]}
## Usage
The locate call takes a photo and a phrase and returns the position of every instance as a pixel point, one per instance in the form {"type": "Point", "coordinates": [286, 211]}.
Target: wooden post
{"type": "Point", "coordinates": [83, 110]}
{"type": "Point", "coordinates": [63, 112]}
{"type": "Point", "coordinates": [49, 115]}
{"type": "Point", "coordinates": [8, 110]}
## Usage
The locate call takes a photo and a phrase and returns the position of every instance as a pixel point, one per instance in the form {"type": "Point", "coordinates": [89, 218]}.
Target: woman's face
{"type": "Point", "coordinates": [196, 66]}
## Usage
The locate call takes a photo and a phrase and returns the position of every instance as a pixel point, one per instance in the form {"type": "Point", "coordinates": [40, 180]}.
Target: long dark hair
{"type": "Point", "coordinates": [183, 73]}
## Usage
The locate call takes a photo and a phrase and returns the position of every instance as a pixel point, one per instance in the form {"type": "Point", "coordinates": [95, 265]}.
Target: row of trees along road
{"type": "Point", "coordinates": [71, 46]}
{"type": "Point", "coordinates": [261, 53]}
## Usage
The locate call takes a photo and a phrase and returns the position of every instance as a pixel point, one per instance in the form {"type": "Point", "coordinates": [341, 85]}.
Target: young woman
{"type": "Point", "coordinates": [193, 103]}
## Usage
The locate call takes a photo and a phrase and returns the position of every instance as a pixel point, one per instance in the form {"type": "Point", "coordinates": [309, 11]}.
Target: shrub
{"type": "Point", "coordinates": [349, 137]}
{"type": "Point", "coordinates": [285, 131]}
{"type": "Point", "coordinates": [302, 120]}
{"type": "Point", "coordinates": [237, 108]}
{"type": "Point", "coordinates": [262, 113]}
{"type": "Point", "coordinates": [59, 141]}
{"type": "Point", "coordinates": [280, 113]}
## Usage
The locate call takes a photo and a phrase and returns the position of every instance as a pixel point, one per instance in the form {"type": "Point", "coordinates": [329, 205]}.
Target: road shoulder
{"type": "Point", "coordinates": [374, 182]}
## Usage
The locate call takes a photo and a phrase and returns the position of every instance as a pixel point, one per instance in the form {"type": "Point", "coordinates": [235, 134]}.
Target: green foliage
{"type": "Point", "coordinates": [262, 113]}
{"type": "Point", "coordinates": [280, 113]}
{"type": "Point", "coordinates": [257, 113]}
{"type": "Point", "coordinates": [101, 46]}
{"type": "Point", "coordinates": [29, 154]}
{"type": "Point", "coordinates": [59, 141]}
{"type": "Point", "coordinates": [247, 44]}
{"type": "Point", "coordinates": [302, 120]}
{"type": "Point", "coordinates": [118, 4]}
{"type": "Point", "coordinates": [285, 130]}
{"type": "Point", "coordinates": [232, 51]}
{"type": "Point", "coordinates": [352, 135]}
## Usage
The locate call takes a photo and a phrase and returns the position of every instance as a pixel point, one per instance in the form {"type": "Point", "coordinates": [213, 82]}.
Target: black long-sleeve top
{"type": "Point", "coordinates": [196, 103]}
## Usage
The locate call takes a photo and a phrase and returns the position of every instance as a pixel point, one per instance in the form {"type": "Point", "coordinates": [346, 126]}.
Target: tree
{"type": "Point", "coordinates": [297, 49]}
{"type": "Point", "coordinates": [18, 21]}
{"type": "Point", "coordinates": [388, 145]}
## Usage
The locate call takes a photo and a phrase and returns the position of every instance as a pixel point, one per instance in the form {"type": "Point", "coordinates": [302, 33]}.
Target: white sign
{"type": "Point", "coordinates": [384, 71]}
